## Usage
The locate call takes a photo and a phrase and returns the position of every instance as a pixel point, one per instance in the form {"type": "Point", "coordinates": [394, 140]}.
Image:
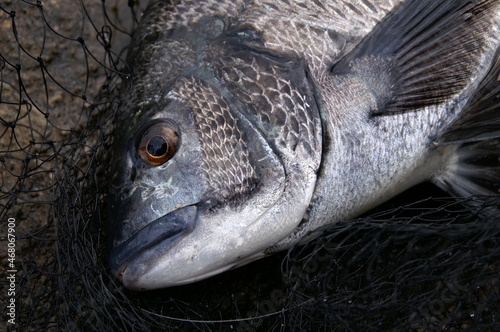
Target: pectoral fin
{"type": "Point", "coordinates": [480, 117]}
{"type": "Point", "coordinates": [423, 53]}
{"type": "Point", "coordinates": [474, 168]}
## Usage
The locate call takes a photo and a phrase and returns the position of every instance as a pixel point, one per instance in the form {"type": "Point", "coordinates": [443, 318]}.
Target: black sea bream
{"type": "Point", "coordinates": [244, 125]}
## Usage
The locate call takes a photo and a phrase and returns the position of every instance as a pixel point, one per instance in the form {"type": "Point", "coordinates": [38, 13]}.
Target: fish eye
{"type": "Point", "coordinates": [158, 143]}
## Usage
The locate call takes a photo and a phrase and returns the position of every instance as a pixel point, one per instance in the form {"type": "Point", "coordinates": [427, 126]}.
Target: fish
{"type": "Point", "coordinates": [242, 127]}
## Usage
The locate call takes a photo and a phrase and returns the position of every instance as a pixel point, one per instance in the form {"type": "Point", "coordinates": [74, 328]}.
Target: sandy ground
{"type": "Point", "coordinates": [52, 66]}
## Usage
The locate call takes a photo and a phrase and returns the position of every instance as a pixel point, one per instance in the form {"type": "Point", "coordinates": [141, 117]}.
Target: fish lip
{"type": "Point", "coordinates": [164, 230]}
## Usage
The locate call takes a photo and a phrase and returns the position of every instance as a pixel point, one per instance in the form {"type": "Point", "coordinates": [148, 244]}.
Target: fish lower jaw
{"type": "Point", "coordinates": [146, 282]}
{"type": "Point", "coordinates": [207, 275]}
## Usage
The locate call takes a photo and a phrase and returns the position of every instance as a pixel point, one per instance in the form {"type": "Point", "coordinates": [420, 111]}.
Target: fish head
{"type": "Point", "coordinates": [216, 149]}
{"type": "Point", "coordinates": [200, 184]}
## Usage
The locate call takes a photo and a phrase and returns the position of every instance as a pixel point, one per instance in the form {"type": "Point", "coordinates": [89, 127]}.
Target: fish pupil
{"type": "Point", "coordinates": [157, 146]}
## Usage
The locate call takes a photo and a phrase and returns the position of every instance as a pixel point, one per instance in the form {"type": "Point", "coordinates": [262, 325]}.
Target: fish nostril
{"type": "Point", "coordinates": [133, 174]}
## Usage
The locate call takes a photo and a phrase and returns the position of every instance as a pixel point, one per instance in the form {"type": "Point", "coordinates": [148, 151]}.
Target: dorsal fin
{"type": "Point", "coordinates": [429, 51]}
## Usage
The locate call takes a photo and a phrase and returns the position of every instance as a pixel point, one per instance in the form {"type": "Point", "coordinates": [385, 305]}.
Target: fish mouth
{"type": "Point", "coordinates": [132, 255]}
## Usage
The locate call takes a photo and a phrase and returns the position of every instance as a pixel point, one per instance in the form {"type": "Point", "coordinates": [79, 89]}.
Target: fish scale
{"type": "Point", "coordinates": [320, 31]}
{"type": "Point", "coordinates": [226, 161]}
{"type": "Point", "coordinates": [286, 106]}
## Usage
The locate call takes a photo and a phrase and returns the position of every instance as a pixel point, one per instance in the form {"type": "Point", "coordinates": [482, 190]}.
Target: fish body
{"type": "Point", "coordinates": [245, 125]}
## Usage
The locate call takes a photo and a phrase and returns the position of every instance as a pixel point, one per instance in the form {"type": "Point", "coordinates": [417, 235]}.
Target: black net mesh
{"type": "Point", "coordinates": [416, 263]}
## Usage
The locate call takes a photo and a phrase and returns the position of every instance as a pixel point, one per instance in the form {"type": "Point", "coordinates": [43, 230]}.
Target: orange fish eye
{"type": "Point", "coordinates": [158, 143]}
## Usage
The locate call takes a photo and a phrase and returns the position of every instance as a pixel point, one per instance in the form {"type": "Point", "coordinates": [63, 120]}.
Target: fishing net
{"type": "Point", "coordinates": [423, 261]}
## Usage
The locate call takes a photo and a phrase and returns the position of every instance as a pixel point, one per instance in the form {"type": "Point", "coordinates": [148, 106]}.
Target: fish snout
{"type": "Point", "coordinates": [163, 231]}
